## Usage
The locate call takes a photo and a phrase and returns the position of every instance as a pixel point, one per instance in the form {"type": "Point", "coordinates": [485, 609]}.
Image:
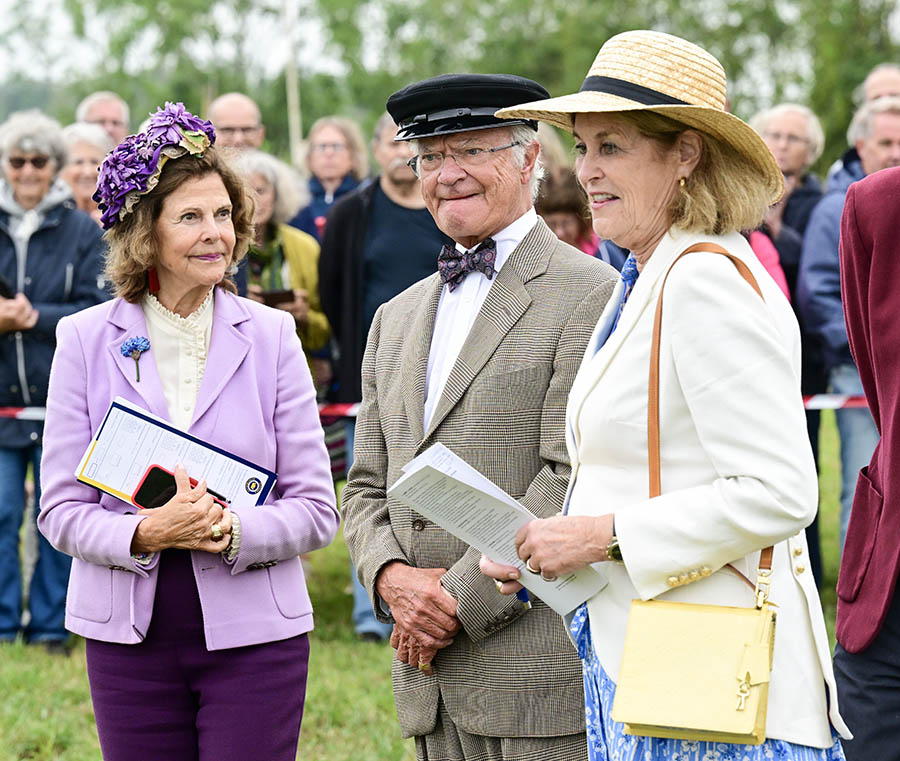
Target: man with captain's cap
{"type": "Point", "coordinates": [480, 357]}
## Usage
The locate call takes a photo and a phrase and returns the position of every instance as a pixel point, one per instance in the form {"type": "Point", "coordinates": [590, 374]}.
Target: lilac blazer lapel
{"type": "Point", "coordinates": [129, 319]}
{"type": "Point", "coordinates": [227, 349]}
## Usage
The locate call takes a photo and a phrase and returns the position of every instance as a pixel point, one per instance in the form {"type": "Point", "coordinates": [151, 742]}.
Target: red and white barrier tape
{"type": "Point", "coordinates": [814, 402]}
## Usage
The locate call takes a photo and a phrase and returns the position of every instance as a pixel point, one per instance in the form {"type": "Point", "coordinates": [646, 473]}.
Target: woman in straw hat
{"type": "Point", "coordinates": [666, 168]}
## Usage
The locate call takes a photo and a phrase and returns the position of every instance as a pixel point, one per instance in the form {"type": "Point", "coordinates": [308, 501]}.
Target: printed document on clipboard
{"type": "Point", "coordinates": [130, 440]}
{"type": "Point", "coordinates": [447, 490]}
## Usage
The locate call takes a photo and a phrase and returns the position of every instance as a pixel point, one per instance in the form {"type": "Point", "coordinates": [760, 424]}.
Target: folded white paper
{"type": "Point", "coordinates": [447, 490]}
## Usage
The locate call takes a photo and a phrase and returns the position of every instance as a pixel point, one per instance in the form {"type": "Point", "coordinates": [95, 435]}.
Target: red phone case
{"type": "Point", "coordinates": [193, 481]}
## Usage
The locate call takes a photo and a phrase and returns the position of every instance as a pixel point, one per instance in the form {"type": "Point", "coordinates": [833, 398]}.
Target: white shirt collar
{"type": "Point", "coordinates": [510, 236]}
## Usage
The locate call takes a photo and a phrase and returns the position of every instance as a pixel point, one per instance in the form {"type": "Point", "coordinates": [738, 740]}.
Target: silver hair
{"type": "Point", "coordinates": [32, 131]}
{"type": "Point", "coordinates": [93, 134]}
{"type": "Point", "coordinates": [861, 125]}
{"type": "Point", "coordinates": [815, 136]}
{"type": "Point", "coordinates": [859, 93]}
{"type": "Point", "coordinates": [385, 120]}
{"type": "Point", "coordinates": [81, 111]}
{"type": "Point", "coordinates": [290, 190]}
{"type": "Point", "coordinates": [525, 136]}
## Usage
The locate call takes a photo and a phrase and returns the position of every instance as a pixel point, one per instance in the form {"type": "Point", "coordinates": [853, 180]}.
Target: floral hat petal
{"type": "Point", "coordinates": [133, 167]}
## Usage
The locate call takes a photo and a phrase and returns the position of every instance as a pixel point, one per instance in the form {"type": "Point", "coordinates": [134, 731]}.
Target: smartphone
{"type": "Point", "coordinates": [6, 289]}
{"type": "Point", "coordinates": [158, 486]}
{"type": "Point", "coordinates": [272, 298]}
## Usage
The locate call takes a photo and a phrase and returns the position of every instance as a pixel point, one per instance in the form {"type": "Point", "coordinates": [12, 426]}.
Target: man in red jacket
{"type": "Point", "coordinates": [867, 657]}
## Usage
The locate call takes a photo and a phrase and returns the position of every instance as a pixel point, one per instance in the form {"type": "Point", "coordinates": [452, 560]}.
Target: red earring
{"type": "Point", "coordinates": [152, 280]}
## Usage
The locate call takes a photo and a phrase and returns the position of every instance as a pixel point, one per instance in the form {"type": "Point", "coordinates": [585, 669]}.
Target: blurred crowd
{"type": "Point", "coordinates": [333, 241]}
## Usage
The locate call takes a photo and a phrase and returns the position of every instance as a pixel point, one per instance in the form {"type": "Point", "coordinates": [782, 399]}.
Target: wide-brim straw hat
{"type": "Point", "coordinates": [651, 71]}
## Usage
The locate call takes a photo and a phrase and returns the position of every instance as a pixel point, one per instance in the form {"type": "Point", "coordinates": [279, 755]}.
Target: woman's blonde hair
{"type": "Point", "coordinates": [725, 193]}
{"type": "Point", "coordinates": [133, 247]}
{"type": "Point", "coordinates": [355, 143]}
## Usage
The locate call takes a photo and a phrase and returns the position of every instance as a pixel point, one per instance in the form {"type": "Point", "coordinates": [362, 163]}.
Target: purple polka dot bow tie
{"type": "Point", "coordinates": [453, 266]}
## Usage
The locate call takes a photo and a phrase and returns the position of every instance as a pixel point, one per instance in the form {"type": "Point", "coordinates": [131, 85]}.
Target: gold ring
{"type": "Point", "coordinates": [548, 578]}
{"type": "Point", "coordinates": [498, 584]}
{"type": "Point", "coordinates": [216, 531]}
{"type": "Point", "coordinates": [424, 667]}
{"type": "Point", "coordinates": [530, 569]}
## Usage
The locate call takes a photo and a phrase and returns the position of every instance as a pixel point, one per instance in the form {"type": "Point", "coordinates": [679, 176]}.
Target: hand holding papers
{"type": "Point", "coordinates": [130, 440]}
{"type": "Point", "coordinates": [450, 492]}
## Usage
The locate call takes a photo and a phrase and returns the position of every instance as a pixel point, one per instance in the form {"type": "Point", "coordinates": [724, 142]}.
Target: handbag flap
{"type": "Point", "coordinates": [696, 652]}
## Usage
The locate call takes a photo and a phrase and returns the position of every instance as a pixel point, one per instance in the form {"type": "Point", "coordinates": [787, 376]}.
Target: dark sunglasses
{"type": "Point", "coordinates": [38, 162]}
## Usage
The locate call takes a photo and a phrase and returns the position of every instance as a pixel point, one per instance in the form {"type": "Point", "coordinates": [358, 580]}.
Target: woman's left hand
{"type": "Point", "coordinates": [504, 576]}
{"type": "Point", "coordinates": [558, 546]}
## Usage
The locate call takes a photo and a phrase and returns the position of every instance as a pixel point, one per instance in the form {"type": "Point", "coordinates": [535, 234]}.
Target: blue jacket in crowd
{"type": "Point", "coordinates": [819, 281]}
{"type": "Point", "coordinates": [320, 205]}
{"type": "Point", "coordinates": [57, 265]}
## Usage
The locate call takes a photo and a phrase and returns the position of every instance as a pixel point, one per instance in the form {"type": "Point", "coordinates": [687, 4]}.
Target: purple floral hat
{"type": "Point", "coordinates": [133, 167]}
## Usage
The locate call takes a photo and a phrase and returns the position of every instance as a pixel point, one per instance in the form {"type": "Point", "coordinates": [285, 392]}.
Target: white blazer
{"type": "Point", "coordinates": [737, 468]}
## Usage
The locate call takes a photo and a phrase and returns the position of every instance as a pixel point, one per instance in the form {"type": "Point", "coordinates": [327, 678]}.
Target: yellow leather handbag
{"type": "Point", "coordinates": [696, 672]}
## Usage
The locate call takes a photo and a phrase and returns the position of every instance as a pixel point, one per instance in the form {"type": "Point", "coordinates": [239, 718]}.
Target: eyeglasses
{"type": "Point", "coordinates": [38, 162]}
{"type": "Point", "coordinates": [232, 131]}
{"type": "Point", "coordinates": [777, 137]}
{"type": "Point", "coordinates": [465, 158]}
{"type": "Point", "coordinates": [322, 147]}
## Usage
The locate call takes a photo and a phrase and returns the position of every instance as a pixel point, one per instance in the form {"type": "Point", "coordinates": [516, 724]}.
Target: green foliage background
{"type": "Point", "coordinates": [811, 51]}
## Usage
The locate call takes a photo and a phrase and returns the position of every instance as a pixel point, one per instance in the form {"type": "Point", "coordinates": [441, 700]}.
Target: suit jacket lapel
{"type": "Point", "coordinates": [129, 318]}
{"type": "Point", "coordinates": [505, 303]}
{"type": "Point", "coordinates": [642, 299]}
{"type": "Point", "coordinates": [227, 349]}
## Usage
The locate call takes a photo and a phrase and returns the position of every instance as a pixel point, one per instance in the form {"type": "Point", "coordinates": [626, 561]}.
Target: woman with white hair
{"type": "Point", "coordinates": [50, 259]}
{"type": "Point", "coordinates": [86, 146]}
{"type": "Point", "coordinates": [282, 263]}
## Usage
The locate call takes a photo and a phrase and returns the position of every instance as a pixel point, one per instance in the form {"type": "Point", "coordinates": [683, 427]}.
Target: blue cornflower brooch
{"type": "Point", "coordinates": [133, 348]}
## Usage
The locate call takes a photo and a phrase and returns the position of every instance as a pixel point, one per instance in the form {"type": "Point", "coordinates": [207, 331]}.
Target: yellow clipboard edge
{"type": "Point", "coordinates": [96, 484]}
{"type": "Point", "coordinates": [107, 489]}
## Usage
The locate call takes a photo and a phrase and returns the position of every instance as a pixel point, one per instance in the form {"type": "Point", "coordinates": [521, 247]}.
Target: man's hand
{"type": "Point", "coordinates": [419, 604]}
{"type": "Point", "coordinates": [17, 314]}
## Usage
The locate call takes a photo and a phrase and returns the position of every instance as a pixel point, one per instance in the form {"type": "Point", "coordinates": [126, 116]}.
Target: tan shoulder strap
{"type": "Point", "coordinates": [765, 559]}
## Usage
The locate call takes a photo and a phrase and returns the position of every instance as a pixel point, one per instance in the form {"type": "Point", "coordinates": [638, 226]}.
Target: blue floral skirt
{"type": "Point", "coordinates": [607, 740]}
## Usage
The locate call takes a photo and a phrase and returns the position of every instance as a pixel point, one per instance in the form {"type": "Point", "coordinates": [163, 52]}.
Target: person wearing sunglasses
{"type": "Point", "coordinates": [50, 259]}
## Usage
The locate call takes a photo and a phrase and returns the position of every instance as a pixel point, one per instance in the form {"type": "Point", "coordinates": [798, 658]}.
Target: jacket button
{"type": "Point", "coordinates": [798, 551]}
{"type": "Point", "coordinates": [800, 568]}
{"type": "Point", "coordinates": [418, 525]}
{"type": "Point", "coordinates": [683, 578]}
{"type": "Point", "coordinates": [706, 571]}
{"type": "Point", "coordinates": [14, 388]}
{"type": "Point", "coordinates": [695, 575]}
{"type": "Point", "coordinates": [672, 581]}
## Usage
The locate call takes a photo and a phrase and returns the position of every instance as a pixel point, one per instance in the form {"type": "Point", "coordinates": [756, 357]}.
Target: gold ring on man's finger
{"type": "Point", "coordinates": [216, 531]}
{"type": "Point", "coordinates": [530, 569]}
{"type": "Point", "coordinates": [424, 667]}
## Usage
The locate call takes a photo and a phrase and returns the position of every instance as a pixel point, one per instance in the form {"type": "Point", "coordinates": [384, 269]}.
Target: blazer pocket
{"type": "Point", "coordinates": [524, 386]}
{"type": "Point", "coordinates": [90, 592]}
{"type": "Point", "coordinates": [289, 588]}
{"type": "Point", "coordinates": [862, 536]}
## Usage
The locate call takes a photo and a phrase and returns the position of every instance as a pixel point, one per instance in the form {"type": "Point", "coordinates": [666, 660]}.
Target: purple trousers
{"type": "Point", "coordinates": [170, 698]}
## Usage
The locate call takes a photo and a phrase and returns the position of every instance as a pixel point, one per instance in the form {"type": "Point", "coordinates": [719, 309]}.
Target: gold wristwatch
{"type": "Point", "coordinates": [613, 551]}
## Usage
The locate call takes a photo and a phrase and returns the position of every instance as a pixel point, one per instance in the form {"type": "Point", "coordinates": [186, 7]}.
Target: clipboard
{"type": "Point", "coordinates": [131, 439]}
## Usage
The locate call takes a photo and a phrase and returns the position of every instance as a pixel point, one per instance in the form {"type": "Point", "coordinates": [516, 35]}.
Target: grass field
{"type": "Point", "coordinates": [45, 709]}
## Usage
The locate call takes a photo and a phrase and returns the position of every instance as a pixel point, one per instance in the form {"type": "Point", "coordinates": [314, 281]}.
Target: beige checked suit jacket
{"type": "Point", "coordinates": [509, 672]}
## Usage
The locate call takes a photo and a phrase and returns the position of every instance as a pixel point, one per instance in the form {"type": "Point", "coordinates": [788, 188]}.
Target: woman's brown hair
{"type": "Point", "coordinates": [133, 248]}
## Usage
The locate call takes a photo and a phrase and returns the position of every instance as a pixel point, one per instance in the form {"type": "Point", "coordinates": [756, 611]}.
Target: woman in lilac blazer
{"type": "Point", "coordinates": [196, 616]}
